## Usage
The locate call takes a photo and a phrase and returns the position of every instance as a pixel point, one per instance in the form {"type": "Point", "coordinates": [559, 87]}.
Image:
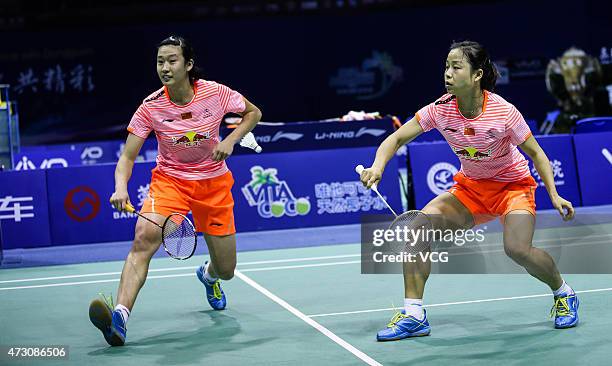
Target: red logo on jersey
{"type": "Point", "coordinates": [191, 138]}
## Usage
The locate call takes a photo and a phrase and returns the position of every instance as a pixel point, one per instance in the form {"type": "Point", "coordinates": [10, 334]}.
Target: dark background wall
{"type": "Point", "coordinates": [84, 81]}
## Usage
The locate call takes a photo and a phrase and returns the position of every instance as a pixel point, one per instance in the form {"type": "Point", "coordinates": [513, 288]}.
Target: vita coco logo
{"type": "Point", "coordinates": [272, 196]}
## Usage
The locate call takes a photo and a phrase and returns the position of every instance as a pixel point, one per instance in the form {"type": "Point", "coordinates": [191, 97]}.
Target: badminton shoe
{"type": "Point", "coordinates": [109, 322]}
{"type": "Point", "coordinates": [214, 293]}
{"type": "Point", "coordinates": [565, 311]}
{"type": "Point", "coordinates": [404, 326]}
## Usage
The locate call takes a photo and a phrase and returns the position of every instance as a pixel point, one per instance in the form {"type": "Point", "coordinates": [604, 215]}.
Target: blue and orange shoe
{"type": "Point", "coordinates": [404, 326]}
{"type": "Point", "coordinates": [110, 322]}
{"type": "Point", "coordinates": [214, 293]}
{"type": "Point", "coordinates": [565, 310]}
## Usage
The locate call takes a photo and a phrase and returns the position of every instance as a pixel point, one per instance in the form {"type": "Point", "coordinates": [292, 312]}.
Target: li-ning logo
{"type": "Point", "coordinates": [191, 138]}
{"type": "Point", "coordinates": [279, 136]}
{"type": "Point", "coordinates": [272, 196]}
{"type": "Point", "coordinates": [349, 134]}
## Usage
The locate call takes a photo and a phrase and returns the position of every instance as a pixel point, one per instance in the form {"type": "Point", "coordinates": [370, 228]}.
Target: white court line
{"type": "Point", "coordinates": [301, 266]}
{"type": "Point", "coordinates": [344, 344]}
{"type": "Point", "coordinates": [456, 303]}
{"type": "Point", "coordinates": [451, 253]}
{"type": "Point", "coordinates": [288, 260]}
{"type": "Point", "coordinates": [176, 275]}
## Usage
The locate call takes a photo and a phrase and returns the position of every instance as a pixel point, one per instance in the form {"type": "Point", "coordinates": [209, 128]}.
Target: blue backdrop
{"type": "Point", "coordinates": [594, 158]}
{"type": "Point", "coordinates": [271, 191]}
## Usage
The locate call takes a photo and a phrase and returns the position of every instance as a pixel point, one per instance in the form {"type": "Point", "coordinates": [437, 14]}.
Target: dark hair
{"type": "Point", "coordinates": [479, 58]}
{"type": "Point", "coordinates": [188, 54]}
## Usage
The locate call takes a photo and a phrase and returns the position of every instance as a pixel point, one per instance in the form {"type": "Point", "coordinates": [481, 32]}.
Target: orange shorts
{"type": "Point", "coordinates": [487, 199]}
{"type": "Point", "coordinates": [210, 201]}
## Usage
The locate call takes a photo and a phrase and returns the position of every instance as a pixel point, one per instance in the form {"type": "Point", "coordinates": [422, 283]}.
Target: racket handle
{"type": "Point", "coordinates": [359, 169]}
{"type": "Point", "coordinates": [129, 208]}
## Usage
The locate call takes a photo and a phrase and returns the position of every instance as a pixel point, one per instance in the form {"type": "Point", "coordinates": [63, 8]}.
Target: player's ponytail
{"type": "Point", "coordinates": [479, 58]}
{"type": "Point", "coordinates": [188, 53]}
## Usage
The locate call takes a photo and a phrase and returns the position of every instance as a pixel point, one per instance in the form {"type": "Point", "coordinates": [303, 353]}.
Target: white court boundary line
{"type": "Point", "coordinates": [176, 275]}
{"type": "Point", "coordinates": [287, 260]}
{"type": "Point", "coordinates": [329, 334]}
{"type": "Point", "coordinates": [457, 303]}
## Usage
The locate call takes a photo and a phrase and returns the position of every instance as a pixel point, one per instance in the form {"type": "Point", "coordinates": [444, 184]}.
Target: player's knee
{"type": "Point", "coordinates": [519, 254]}
{"type": "Point", "coordinates": [144, 241]}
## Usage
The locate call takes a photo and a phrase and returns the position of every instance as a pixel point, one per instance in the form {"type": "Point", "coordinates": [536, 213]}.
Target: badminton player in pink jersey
{"type": "Point", "coordinates": [484, 131]}
{"type": "Point", "coordinates": [191, 175]}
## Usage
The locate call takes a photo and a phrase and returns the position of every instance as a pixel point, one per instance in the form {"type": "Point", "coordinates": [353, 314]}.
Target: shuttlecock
{"type": "Point", "coordinates": [249, 141]}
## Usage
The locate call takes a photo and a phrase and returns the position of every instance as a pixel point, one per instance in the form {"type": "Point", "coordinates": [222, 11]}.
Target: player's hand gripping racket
{"type": "Point", "coordinates": [416, 223]}
{"type": "Point", "coordinates": [178, 234]}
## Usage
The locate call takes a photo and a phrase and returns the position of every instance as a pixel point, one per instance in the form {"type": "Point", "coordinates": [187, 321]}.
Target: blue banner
{"type": "Point", "coordinates": [87, 153]}
{"type": "Point", "coordinates": [433, 165]}
{"type": "Point", "coordinates": [560, 152]}
{"type": "Point", "coordinates": [305, 189]}
{"type": "Point", "coordinates": [24, 210]}
{"type": "Point", "coordinates": [319, 135]}
{"type": "Point", "coordinates": [80, 211]}
{"type": "Point", "coordinates": [594, 160]}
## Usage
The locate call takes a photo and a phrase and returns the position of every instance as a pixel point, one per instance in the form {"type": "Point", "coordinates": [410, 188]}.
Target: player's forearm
{"type": "Point", "coordinates": [123, 172]}
{"type": "Point", "coordinates": [249, 121]}
{"type": "Point", "coordinates": [385, 152]}
{"type": "Point", "coordinates": [542, 165]}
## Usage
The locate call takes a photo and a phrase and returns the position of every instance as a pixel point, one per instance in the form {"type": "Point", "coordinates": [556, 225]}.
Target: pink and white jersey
{"type": "Point", "coordinates": [187, 134]}
{"type": "Point", "coordinates": [485, 145]}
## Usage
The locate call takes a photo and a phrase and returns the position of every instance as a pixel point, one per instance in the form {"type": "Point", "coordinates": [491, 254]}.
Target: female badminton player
{"type": "Point", "coordinates": [484, 131]}
{"type": "Point", "coordinates": [190, 175]}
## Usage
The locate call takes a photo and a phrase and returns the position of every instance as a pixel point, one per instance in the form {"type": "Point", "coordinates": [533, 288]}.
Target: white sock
{"type": "Point", "coordinates": [207, 275]}
{"type": "Point", "coordinates": [125, 312]}
{"type": "Point", "coordinates": [414, 307]}
{"type": "Point", "coordinates": [563, 290]}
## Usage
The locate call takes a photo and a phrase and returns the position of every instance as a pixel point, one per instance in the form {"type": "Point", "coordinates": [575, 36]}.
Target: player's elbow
{"type": "Point", "coordinates": [257, 113]}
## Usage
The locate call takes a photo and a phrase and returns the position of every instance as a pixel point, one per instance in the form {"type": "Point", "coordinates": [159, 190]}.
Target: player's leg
{"type": "Point", "coordinates": [147, 240]}
{"type": "Point", "coordinates": [213, 213]}
{"type": "Point", "coordinates": [113, 321]}
{"type": "Point", "coordinates": [222, 255]}
{"type": "Point", "coordinates": [166, 195]}
{"type": "Point", "coordinates": [446, 212]}
{"type": "Point", "coordinates": [519, 226]}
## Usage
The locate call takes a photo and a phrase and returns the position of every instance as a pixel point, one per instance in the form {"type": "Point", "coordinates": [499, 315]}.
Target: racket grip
{"type": "Point", "coordinates": [129, 208]}
{"type": "Point", "coordinates": [359, 169]}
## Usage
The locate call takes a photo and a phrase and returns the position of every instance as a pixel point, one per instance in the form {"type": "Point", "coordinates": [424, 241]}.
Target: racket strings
{"type": "Point", "coordinates": [179, 236]}
{"type": "Point", "coordinates": [416, 227]}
